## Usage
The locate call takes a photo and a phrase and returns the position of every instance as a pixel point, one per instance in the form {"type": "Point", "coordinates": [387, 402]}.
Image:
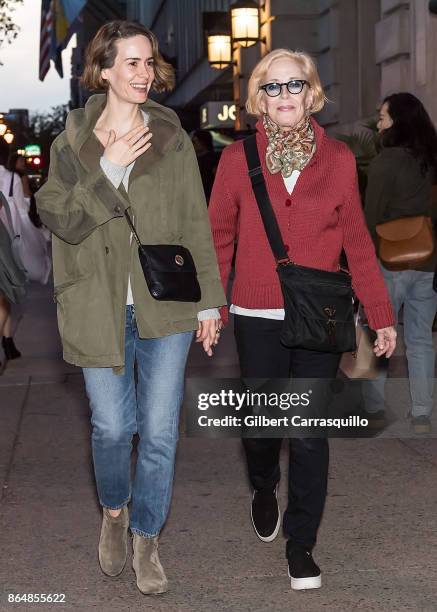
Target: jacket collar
{"type": "Point", "coordinates": [164, 125]}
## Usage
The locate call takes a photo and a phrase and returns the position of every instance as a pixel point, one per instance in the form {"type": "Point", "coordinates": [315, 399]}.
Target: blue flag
{"type": "Point", "coordinates": [72, 9]}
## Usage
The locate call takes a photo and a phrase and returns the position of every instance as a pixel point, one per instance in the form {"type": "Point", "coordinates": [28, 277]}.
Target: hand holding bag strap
{"type": "Point", "coordinates": [262, 199]}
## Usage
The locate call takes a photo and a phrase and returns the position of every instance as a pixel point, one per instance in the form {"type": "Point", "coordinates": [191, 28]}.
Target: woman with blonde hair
{"type": "Point", "coordinates": [125, 159]}
{"type": "Point", "coordinates": [312, 186]}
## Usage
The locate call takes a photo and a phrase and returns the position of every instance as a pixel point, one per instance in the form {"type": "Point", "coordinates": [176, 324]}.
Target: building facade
{"type": "Point", "coordinates": [406, 50]}
{"type": "Point", "coordinates": [94, 15]}
{"type": "Point", "coordinates": [365, 49]}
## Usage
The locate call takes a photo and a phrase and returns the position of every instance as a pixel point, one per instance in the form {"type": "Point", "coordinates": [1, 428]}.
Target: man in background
{"type": "Point", "coordinates": [207, 158]}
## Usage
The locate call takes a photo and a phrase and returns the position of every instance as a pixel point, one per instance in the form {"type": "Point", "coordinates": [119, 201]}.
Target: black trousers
{"type": "Point", "coordinates": [263, 356]}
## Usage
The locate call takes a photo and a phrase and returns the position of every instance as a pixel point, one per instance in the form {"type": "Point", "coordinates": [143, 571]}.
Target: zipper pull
{"type": "Point", "coordinates": [331, 322]}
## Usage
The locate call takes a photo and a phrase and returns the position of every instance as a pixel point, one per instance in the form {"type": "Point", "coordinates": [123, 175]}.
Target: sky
{"type": "Point", "coordinates": [20, 86]}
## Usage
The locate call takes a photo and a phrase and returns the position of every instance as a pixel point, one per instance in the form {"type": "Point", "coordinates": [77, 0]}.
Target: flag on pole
{"type": "Point", "coordinates": [59, 20]}
{"type": "Point", "coordinates": [45, 43]}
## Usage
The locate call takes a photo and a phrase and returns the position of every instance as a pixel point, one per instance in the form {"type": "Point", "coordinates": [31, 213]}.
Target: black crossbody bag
{"type": "Point", "coordinates": [319, 312]}
{"type": "Point", "coordinates": [169, 270]}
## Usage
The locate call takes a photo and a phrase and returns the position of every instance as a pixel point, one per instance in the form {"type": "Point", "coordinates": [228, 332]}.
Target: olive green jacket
{"type": "Point", "coordinates": [92, 251]}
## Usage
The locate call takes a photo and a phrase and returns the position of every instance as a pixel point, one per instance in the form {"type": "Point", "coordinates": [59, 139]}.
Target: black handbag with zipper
{"type": "Point", "coordinates": [319, 305]}
{"type": "Point", "coordinates": [168, 269]}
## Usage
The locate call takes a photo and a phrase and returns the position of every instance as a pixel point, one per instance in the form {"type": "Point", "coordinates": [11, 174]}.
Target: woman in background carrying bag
{"type": "Point", "coordinates": [12, 274]}
{"type": "Point", "coordinates": [12, 190]}
{"type": "Point", "coordinates": [399, 186]}
{"type": "Point", "coordinates": [312, 186]}
{"type": "Point", "coordinates": [124, 151]}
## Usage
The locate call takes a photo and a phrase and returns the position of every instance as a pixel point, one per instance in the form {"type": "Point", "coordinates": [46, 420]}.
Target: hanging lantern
{"type": "Point", "coordinates": [245, 23]}
{"type": "Point", "coordinates": [9, 137]}
{"type": "Point", "coordinates": [219, 50]}
{"type": "Point", "coordinates": [3, 128]}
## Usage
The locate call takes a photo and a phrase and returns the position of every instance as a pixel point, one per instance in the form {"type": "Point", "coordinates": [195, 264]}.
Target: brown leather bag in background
{"type": "Point", "coordinates": [405, 243]}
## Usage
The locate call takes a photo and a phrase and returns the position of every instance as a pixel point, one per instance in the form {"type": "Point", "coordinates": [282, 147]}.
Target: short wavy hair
{"type": "Point", "coordinates": [102, 51]}
{"type": "Point", "coordinates": [254, 94]}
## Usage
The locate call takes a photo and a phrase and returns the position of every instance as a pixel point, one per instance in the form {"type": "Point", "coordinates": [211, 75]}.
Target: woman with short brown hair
{"type": "Point", "coordinates": [102, 51]}
{"type": "Point", "coordinates": [126, 152]}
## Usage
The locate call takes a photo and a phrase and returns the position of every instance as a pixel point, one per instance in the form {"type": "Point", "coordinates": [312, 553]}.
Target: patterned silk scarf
{"type": "Point", "coordinates": [291, 150]}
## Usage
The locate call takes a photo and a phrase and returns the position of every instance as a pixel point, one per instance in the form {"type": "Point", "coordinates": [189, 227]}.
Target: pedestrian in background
{"type": "Point", "coordinates": [12, 188]}
{"type": "Point", "coordinates": [33, 246]}
{"type": "Point", "coordinates": [125, 151]}
{"type": "Point", "coordinates": [17, 164]}
{"type": "Point", "coordinates": [399, 185]}
{"type": "Point", "coordinates": [207, 159]}
{"type": "Point", "coordinates": [312, 184]}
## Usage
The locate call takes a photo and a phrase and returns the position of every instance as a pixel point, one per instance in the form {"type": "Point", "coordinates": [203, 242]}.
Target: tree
{"type": "Point", "coordinates": [49, 124]}
{"type": "Point", "coordinates": [8, 29]}
{"type": "Point", "coordinates": [44, 127]}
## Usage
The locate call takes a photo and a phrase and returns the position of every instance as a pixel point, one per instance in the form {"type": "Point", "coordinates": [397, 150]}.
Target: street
{"type": "Point", "coordinates": [376, 544]}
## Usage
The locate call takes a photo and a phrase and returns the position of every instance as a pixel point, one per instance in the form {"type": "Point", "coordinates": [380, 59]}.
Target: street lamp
{"type": "Point", "coordinates": [219, 50]}
{"type": "Point", "coordinates": [245, 32]}
{"type": "Point", "coordinates": [9, 137]}
{"type": "Point", "coordinates": [224, 50]}
{"type": "Point", "coordinates": [245, 23]}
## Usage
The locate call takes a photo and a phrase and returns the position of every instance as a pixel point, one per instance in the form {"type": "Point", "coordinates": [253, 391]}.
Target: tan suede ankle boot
{"type": "Point", "coordinates": [113, 542]}
{"type": "Point", "coordinates": [151, 578]}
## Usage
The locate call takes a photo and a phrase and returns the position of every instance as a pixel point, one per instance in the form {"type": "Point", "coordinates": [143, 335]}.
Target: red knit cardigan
{"type": "Point", "coordinates": [321, 216]}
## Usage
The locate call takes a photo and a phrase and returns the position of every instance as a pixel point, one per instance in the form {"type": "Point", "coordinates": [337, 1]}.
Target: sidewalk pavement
{"type": "Point", "coordinates": [377, 541]}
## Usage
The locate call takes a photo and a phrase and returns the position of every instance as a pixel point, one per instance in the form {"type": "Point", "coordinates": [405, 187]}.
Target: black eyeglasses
{"type": "Point", "coordinates": [294, 86]}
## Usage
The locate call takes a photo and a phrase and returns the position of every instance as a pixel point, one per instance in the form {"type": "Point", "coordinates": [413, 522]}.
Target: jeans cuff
{"type": "Point", "coordinates": [114, 507]}
{"type": "Point", "coordinates": [143, 534]}
{"type": "Point", "coordinates": [419, 413]}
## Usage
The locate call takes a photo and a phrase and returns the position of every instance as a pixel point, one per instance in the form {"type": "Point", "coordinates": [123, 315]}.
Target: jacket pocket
{"type": "Point", "coordinates": [59, 295]}
{"type": "Point", "coordinates": [86, 321]}
{"type": "Point", "coordinates": [59, 289]}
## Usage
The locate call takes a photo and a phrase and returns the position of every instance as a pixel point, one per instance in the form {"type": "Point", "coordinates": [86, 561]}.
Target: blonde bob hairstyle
{"type": "Point", "coordinates": [255, 94]}
{"type": "Point", "coordinates": [102, 51]}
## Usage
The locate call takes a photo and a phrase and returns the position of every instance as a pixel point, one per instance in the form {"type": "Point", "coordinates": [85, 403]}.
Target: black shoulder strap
{"type": "Point", "coordinates": [11, 186]}
{"type": "Point", "coordinates": [262, 198]}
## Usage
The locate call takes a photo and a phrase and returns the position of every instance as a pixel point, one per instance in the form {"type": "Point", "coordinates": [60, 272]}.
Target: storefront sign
{"type": "Point", "coordinates": [217, 114]}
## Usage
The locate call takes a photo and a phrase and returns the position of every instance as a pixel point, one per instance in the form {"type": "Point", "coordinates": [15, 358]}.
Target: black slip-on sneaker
{"type": "Point", "coordinates": [304, 573]}
{"type": "Point", "coordinates": [265, 514]}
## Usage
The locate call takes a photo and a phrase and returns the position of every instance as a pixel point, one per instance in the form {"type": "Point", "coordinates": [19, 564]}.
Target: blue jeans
{"type": "Point", "coordinates": [151, 408]}
{"type": "Point", "coordinates": [413, 290]}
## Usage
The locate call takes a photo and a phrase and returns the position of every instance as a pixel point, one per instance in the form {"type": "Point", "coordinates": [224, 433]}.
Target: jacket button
{"type": "Point", "coordinates": [287, 202]}
{"type": "Point", "coordinates": [106, 250]}
{"type": "Point", "coordinates": [117, 209]}
{"type": "Point", "coordinates": [286, 247]}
